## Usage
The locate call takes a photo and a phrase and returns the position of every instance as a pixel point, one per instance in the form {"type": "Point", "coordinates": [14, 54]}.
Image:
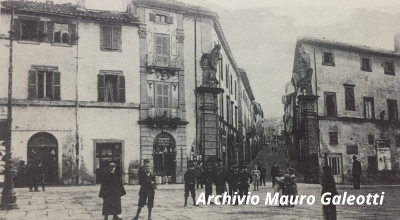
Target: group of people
{"type": "Point", "coordinates": [285, 184]}
{"type": "Point", "coordinates": [112, 190]}
{"type": "Point", "coordinates": [31, 175]}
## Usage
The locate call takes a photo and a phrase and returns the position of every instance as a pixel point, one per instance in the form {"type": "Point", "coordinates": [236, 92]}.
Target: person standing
{"type": "Point", "coordinates": [146, 192]}
{"type": "Point", "coordinates": [31, 177]}
{"type": "Point", "coordinates": [198, 171]}
{"type": "Point", "coordinates": [356, 173]}
{"type": "Point", "coordinates": [219, 178]}
{"type": "Point", "coordinates": [142, 171]}
{"type": "Point", "coordinates": [111, 191]}
{"type": "Point", "coordinates": [291, 185]}
{"type": "Point", "coordinates": [245, 180]}
{"type": "Point", "coordinates": [328, 186]}
{"type": "Point", "coordinates": [231, 178]}
{"type": "Point", "coordinates": [208, 180]}
{"type": "Point", "coordinates": [274, 173]}
{"type": "Point", "coordinates": [190, 181]}
{"type": "Point", "coordinates": [280, 185]}
{"type": "Point", "coordinates": [20, 179]}
{"type": "Point", "coordinates": [234, 183]}
{"type": "Point", "coordinates": [255, 174]}
{"type": "Point", "coordinates": [263, 172]}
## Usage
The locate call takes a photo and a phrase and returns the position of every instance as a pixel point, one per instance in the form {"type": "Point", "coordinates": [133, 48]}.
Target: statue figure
{"type": "Point", "coordinates": [305, 74]}
{"type": "Point", "coordinates": [209, 64]}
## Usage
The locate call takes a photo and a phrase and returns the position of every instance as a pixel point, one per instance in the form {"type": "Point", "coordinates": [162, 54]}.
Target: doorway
{"type": "Point", "coordinates": [164, 155]}
{"type": "Point", "coordinates": [43, 151]}
{"type": "Point", "coordinates": [335, 162]}
{"type": "Point", "coordinates": [105, 154]}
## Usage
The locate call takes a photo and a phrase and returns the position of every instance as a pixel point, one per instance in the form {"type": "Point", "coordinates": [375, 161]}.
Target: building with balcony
{"type": "Point", "coordinates": [344, 104]}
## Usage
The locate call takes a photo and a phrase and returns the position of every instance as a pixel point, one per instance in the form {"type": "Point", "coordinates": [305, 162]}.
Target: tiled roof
{"type": "Point", "coordinates": [175, 6]}
{"type": "Point", "coordinates": [347, 46]}
{"type": "Point", "coordinates": [70, 11]}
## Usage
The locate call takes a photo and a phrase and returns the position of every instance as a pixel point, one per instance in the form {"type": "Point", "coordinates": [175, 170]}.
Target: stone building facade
{"type": "Point", "coordinates": [345, 104]}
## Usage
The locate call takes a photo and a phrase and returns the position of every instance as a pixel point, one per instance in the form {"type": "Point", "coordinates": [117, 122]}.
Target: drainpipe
{"type": "Point", "coordinates": [316, 94]}
{"type": "Point", "coordinates": [77, 107]}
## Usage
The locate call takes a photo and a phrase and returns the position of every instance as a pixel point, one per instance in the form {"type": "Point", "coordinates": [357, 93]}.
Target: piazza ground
{"type": "Point", "coordinates": [82, 202]}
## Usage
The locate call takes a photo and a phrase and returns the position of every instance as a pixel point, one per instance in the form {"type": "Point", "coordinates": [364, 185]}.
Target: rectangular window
{"type": "Point", "coordinates": [236, 116]}
{"type": "Point", "coordinates": [110, 38]}
{"type": "Point", "coordinates": [61, 34]}
{"type": "Point", "coordinates": [31, 29]}
{"type": "Point", "coordinates": [333, 138]}
{"type": "Point", "coordinates": [227, 75]}
{"type": "Point", "coordinates": [161, 18]}
{"type": "Point", "coordinates": [389, 68]}
{"type": "Point", "coordinates": [349, 98]}
{"type": "Point", "coordinates": [352, 149]}
{"type": "Point", "coordinates": [44, 85]}
{"type": "Point", "coordinates": [222, 107]}
{"type": "Point", "coordinates": [392, 109]}
{"type": "Point", "coordinates": [231, 86]}
{"type": "Point", "coordinates": [328, 59]}
{"type": "Point", "coordinates": [227, 108]}
{"type": "Point", "coordinates": [370, 139]}
{"type": "Point", "coordinates": [330, 104]}
{"type": "Point", "coordinates": [221, 68]}
{"type": "Point", "coordinates": [162, 95]}
{"type": "Point", "coordinates": [365, 64]}
{"type": "Point", "coordinates": [369, 111]}
{"type": "Point", "coordinates": [162, 50]}
{"type": "Point", "coordinates": [111, 87]}
{"type": "Point", "coordinates": [231, 109]}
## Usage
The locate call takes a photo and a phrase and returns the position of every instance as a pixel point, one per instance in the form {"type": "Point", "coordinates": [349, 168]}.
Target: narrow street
{"type": "Point", "coordinates": [82, 202]}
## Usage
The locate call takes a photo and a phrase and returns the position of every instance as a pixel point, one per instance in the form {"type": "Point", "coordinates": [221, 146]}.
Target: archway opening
{"type": "Point", "coordinates": [164, 156]}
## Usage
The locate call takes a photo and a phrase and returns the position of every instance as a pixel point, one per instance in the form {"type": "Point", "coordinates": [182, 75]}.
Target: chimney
{"type": "Point", "coordinates": [49, 2]}
{"type": "Point", "coordinates": [80, 5]}
{"type": "Point", "coordinates": [397, 43]}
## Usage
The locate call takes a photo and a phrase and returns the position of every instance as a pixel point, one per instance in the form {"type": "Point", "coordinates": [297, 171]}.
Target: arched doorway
{"type": "Point", "coordinates": [43, 150]}
{"type": "Point", "coordinates": [164, 155]}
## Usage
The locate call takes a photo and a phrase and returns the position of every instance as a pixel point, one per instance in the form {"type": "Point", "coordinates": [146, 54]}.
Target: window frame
{"type": "Point", "coordinates": [331, 62]}
{"type": "Point", "coordinates": [386, 68]}
{"type": "Point", "coordinates": [33, 83]}
{"type": "Point", "coordinates": [326, 103]}
{"type": "Point", "coordinates": [396, 113]}
{"type": "Point", "coordinates": [332, 136]}
{"type": "Point", "coordinates": [121, 87]}
{"type": "Point", "coordinates": [163, 48]}
{"type": "Point", "coordinates": [372, 111]}
{"type": "Point", "coordinates": [350, 101]}
{"type": "Point", "coordinates": [102, 40]}
{"type": "Point", "coordinates": [169, 95]}
{"type": "Point", "coordinates": [369, 68]}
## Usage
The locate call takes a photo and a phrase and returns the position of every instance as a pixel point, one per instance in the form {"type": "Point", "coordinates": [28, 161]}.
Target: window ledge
{"type": "Point", "coordinates": [162, 23]}
{"type": "Point", "coordinates": [110, 50]}
{"type": "Point", "coordinates": [366, 70]}
{"type": "Point", "coordinates": [61, 44]}
{"type": "Point", "coordinates": [390, 73]}
{"type": "Point", "coordinates": [28, 42]}
{"type": "Point", "coordinates": [328, 64]}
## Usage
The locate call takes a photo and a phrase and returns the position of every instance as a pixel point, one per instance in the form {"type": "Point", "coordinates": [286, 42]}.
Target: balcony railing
{"type": "Point", "coordinates": [167, 112]}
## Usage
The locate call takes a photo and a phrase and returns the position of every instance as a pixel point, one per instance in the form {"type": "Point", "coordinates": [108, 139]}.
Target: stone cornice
{"type": "Point", "coordinates": [69, 103]}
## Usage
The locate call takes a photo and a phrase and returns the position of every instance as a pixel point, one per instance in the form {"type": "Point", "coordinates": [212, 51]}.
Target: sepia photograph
{"type": "Point", "coordinates": [199, 109]}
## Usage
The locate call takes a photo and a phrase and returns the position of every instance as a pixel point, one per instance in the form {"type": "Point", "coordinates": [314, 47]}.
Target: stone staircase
{"type": "Point", "coordinates": [274, 153]}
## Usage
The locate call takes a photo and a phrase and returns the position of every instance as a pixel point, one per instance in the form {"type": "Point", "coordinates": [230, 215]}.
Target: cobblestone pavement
{"type": "Point", "coordinates": [82, 202]}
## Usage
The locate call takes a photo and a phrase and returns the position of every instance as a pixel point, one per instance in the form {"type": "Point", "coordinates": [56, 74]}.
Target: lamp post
{"type": "Point", "coordinates": [8, 197]}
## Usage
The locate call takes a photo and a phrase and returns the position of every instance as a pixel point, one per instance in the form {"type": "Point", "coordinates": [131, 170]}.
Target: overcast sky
{"type": "Point", "coordinates": [262, 33]}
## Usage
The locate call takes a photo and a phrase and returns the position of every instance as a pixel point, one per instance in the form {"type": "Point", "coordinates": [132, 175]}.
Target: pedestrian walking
{"type": "Point", "coordinates": [31, 172]}
{"type": "Point", "coordinates": [263, 172]}
{"type": "Point", "coordinates": [146, 192]}
{"type": "Point", "coordinates": [219, 178]}
{"type": "Point", "coordinates": [190, 181]}
{"type": "Point", "coordinates": [279, 185]}
{"type": "Point", "coordinates": [274, 173]}
{"type": "Point", "coordinates": [356, 173]}
{"type": "Point", "coordinates": [234, 183]}
{"type": "Point", "coordinates": [208, 181]}
{"type": "Point", "coordinates": [328, 186]}
{"type": "Point", "coordinates": [231, 178]}
{"type": "Point", "coordinates": [255, 174]}
{"type": "Point", "coordinates": [245, 180]}
{"type": "Point", "coordinates": [290, 185]}
{"type": "Point", "coordinates": [198, 171]}
{"type": "Point", "coordinates": [111, 191]}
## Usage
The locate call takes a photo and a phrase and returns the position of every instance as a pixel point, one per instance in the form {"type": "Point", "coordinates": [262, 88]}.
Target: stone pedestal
{"type": "Point", "coordinates": [310, 149]}
{"type": "Point", "coordinates": [209, 123]}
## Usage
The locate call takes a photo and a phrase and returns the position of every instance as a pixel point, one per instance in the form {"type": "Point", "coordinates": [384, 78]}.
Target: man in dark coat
{"type": "Point", "coordinates": [31, 171]}
{"type": "Point", "coordinates": [245, 180]}
{"type": "Point", "coordinates": [20, 179]}
{"type": "Point", "coordinates": [232, 179]}
{"type": "Point", "coordinates": [111, 191]}
{"type": "Point", "coordinates": [356, 173]}
{"type": "Point", "coordinates": [208, 180]}
{"type": "Point", "coordinates": [263, 171]}
{"type": "Point", "coordinates": [142, 169]}
{"type": "Point", "coordinates": [198, 171]}
{"type": "Point", "coordinates": [274, 173]}
{"type": "Point", "coordinates": [219, 178]}
{"type": "Point", "coordinates": [190, 180]}
{"type": "Point", "coordinates": [146, 192]}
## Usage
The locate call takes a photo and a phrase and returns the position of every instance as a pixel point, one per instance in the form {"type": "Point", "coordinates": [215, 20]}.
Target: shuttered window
{"type": "Point", "coordinates": [349, 98]}
{"type": "Point", "coordinates": [111, 87]}
{"type": "Point", "coordinates": [110, 38]}
{"type": "Point", "coordinates": [162, 95]}
{"type": "Point", "coordinates": [44, 85]}
{"type": "Point", "coordinates": [162, 50]}
{"type": "Point", "coordinates": [161, 18]}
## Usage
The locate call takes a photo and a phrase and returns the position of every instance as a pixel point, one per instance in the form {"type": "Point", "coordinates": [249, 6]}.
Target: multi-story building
{"type": "Point", "coordinates": [345, 104]}
{"type": "Point", "coordinates": [157, 82]}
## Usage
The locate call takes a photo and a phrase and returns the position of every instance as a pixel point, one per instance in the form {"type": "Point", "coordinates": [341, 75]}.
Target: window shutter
{"type": "Point", "coordinates": [152, 16]}
{"type": "Point", "coordinates": [57, 86]}
{"type": "Point", "coordinates": [165, 96]}
{"type": "Point", "coordinates": [116, 35]}
{"type": "Point", "coordinates": [159, 96]}
{"type": "Point", "coordinates": [170, 20]}
{"type": "Point", "coordinates": [41, 33]}
{"type": "Point", "coordinates": [17, 28]}
{"type": "Point", "coordinates": [106, 34]}
{"type": "Point", "coordinates": [72, 33]}
{"type": "Point", "coordinates": [167, 45]}
{"type": "Point", "coordinates": [32, 87]}
{"type": "Point", "coordinates": [119, 38]}
{"type": "Point", "coordinates": [100, 87]}
{"type": "Point", "coordinates": [121, 88]}
{"type": "Point", "coordinates": [50, 31]}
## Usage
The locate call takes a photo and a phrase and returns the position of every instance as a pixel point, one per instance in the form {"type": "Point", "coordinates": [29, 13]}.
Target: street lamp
{"type": "Point", "coordinates": [8, 197]}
